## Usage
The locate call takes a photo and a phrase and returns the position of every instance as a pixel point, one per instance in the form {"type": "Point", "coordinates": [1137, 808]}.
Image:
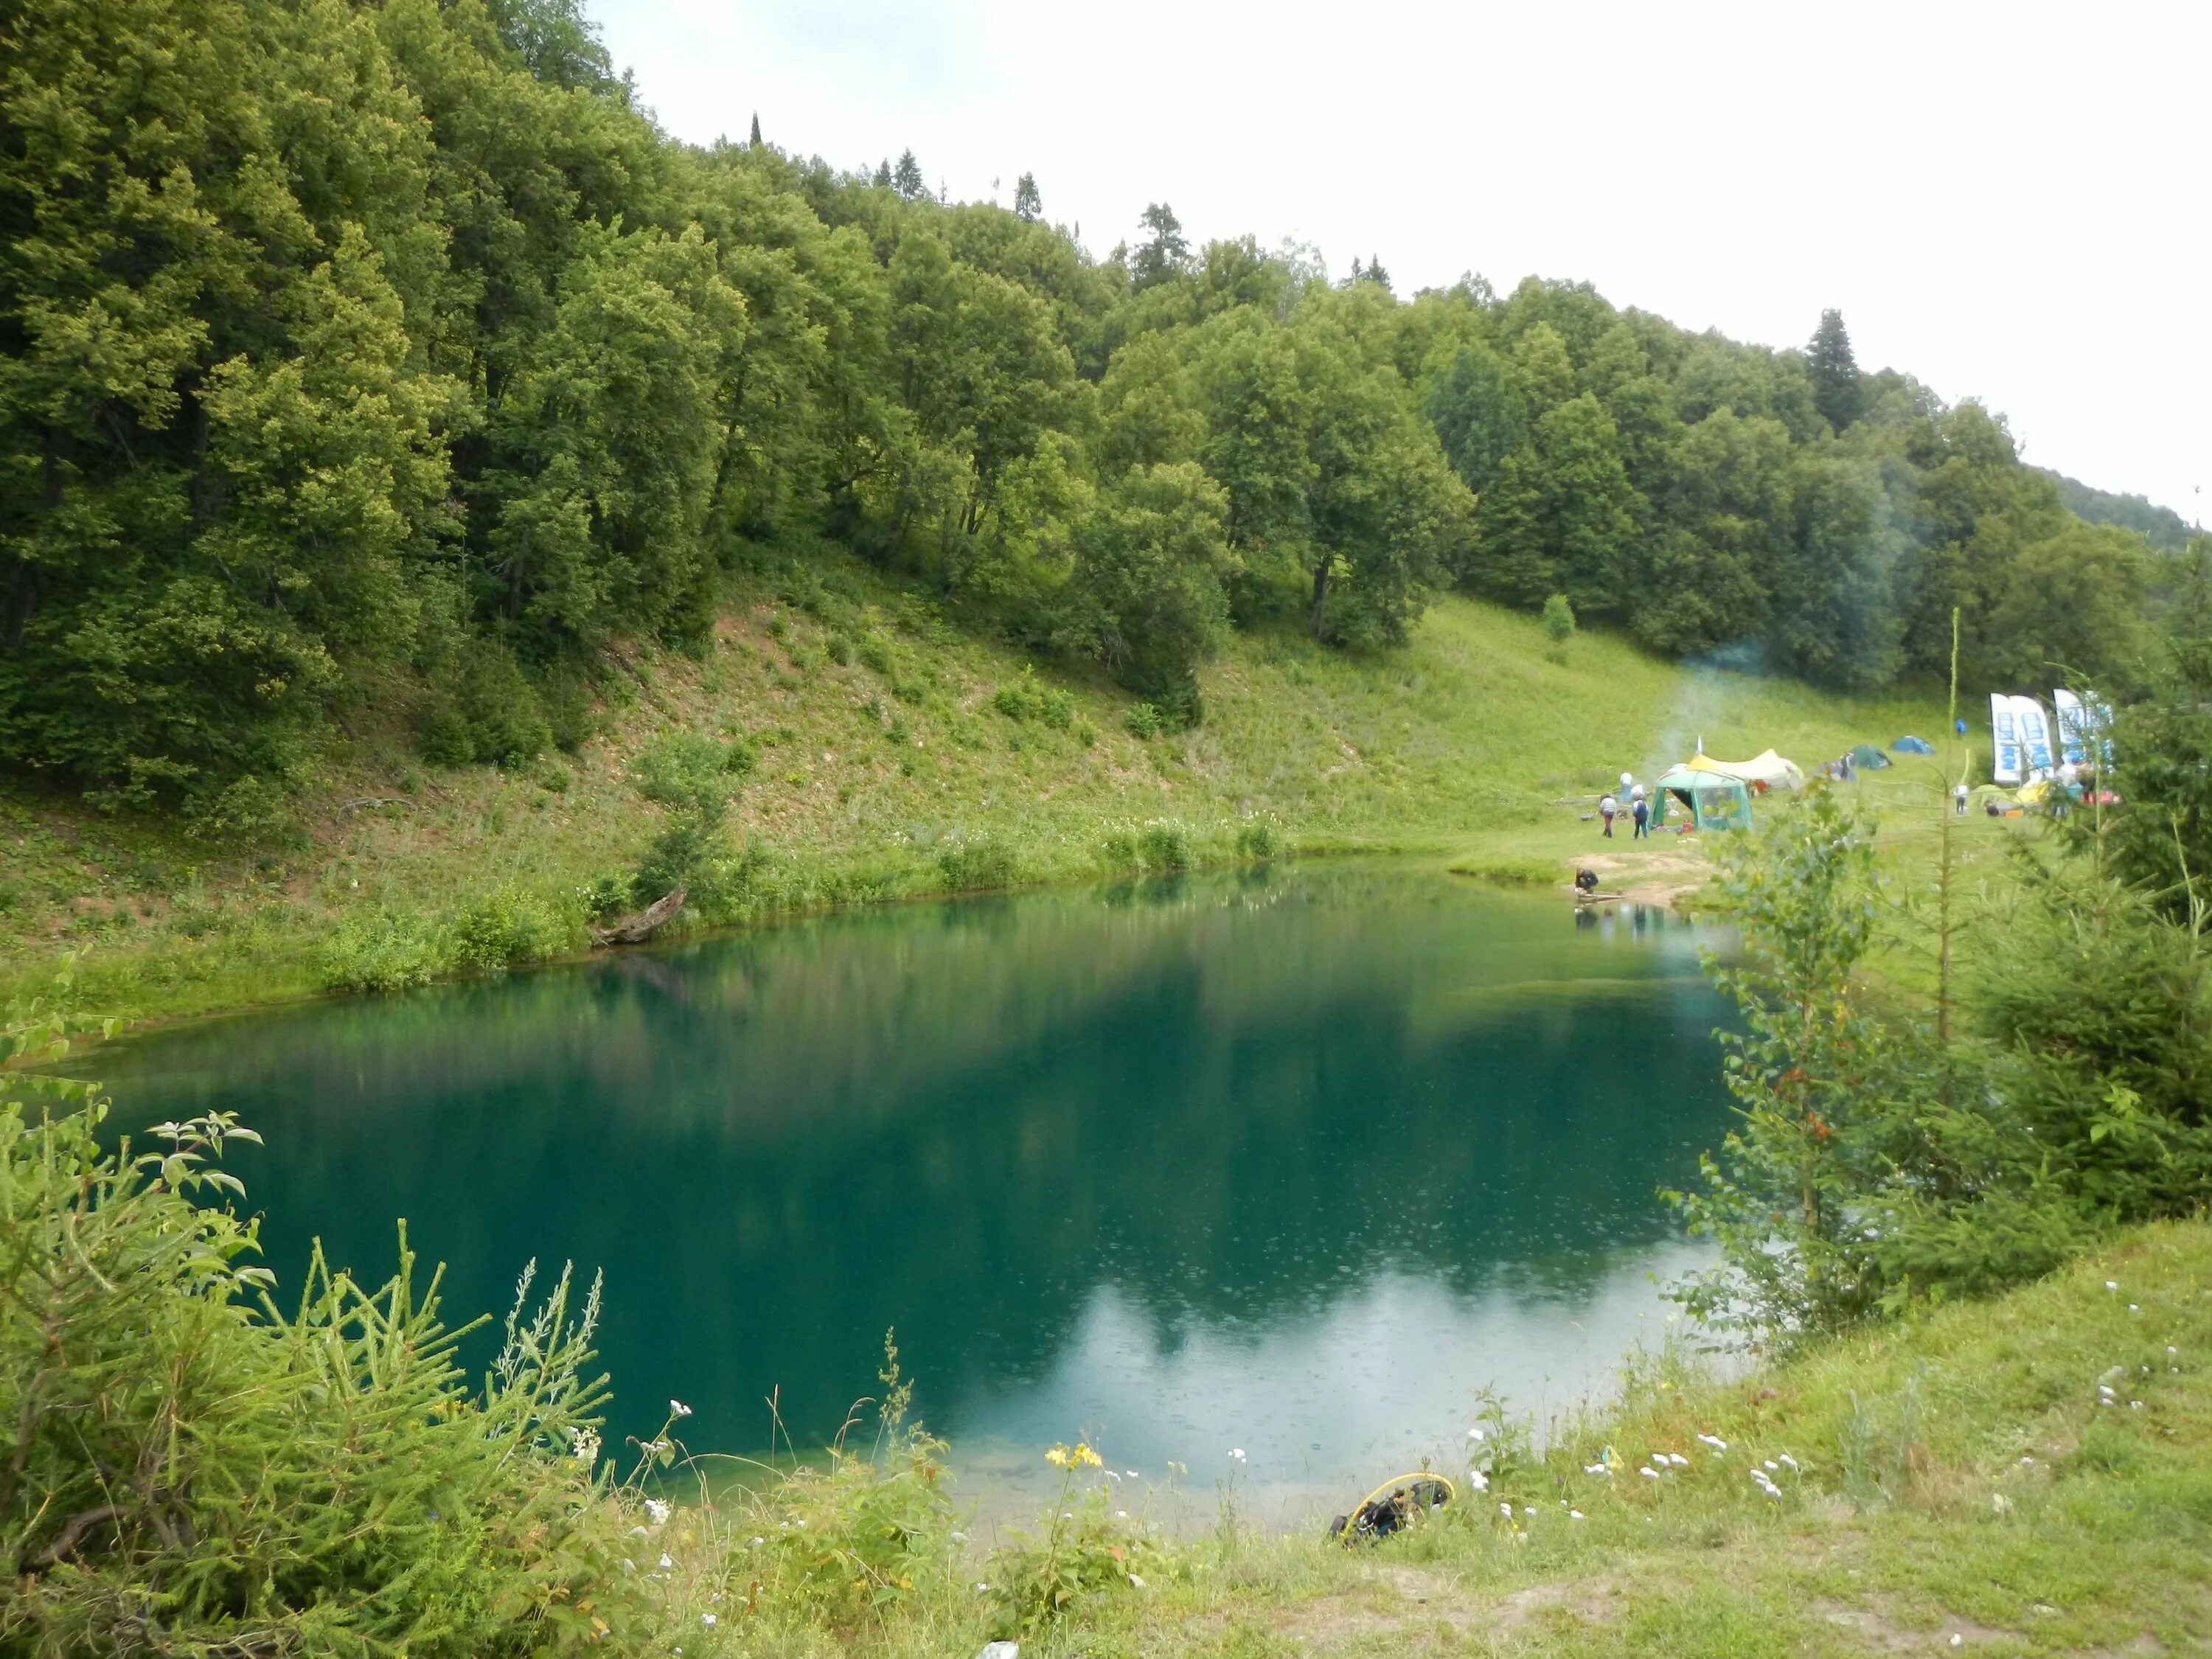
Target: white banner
{"type": "Point", "coordinates": [2004, 736]}
{"type": "Point", "coordinates": [2082, 724]}
{"type": "Point", "coordinates": [2034, 734]}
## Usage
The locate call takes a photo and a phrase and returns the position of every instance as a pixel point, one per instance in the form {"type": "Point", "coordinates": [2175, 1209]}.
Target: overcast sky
{"type": "Point", "coordinates": [2010, 201]}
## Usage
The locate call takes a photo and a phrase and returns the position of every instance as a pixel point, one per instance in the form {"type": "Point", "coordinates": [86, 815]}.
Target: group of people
{"type": "Point", "coordinates": [1639, 807]}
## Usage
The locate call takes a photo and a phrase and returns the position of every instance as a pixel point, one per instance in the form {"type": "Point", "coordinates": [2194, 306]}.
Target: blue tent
{"type": "Point", "coordinates": [1913, 746]}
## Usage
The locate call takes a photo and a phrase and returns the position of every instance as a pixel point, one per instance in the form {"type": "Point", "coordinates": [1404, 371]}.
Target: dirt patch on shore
{"type": "Point", "coordinates": [1640, 878]}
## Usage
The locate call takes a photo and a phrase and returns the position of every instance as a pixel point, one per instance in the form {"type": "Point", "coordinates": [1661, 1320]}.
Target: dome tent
{"type": "Point", "coordinates": [1712, 800]}
{"type": "Point", "coordinates": [1867, 756]}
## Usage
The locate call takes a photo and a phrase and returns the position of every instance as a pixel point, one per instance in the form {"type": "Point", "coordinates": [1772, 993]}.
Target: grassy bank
{"type": "Point", "coordinates": [2032, 1475]}
{"type": "Point", "coordinates": [894, 756]}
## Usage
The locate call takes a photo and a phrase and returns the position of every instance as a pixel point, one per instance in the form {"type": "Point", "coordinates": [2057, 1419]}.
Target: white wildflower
{"type": "Point", "coordinates": [1478, 1480]}
{"type": "Point", "coordinates": [1506, 1510]}
{"type": "Point", "coordinates": [664, 1563]}
{"type": "Point", "coordinates": [1237, 1454]}
{"type": "Point", "coordinates": [707, 1619]}
{"type": "Point", "coordinates": [1714, 1441]}
{"type": "Point", "coordinates": [1576, 1514]}
{"type": "Point", "coordinates": [1647, 1471]}
{"type": "Point", "coordinates": [656, 1511]}
{"type": "Point", "coordinates": [1135, 1582]}
{"type": "Point", "coordinates": [678, 1408]}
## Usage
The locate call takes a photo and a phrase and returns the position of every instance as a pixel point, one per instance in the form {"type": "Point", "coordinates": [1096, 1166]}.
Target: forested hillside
{"type": "Point", "coordinates": [2162, 527]}
{"type": "Point", "coordinates": [367, 361]}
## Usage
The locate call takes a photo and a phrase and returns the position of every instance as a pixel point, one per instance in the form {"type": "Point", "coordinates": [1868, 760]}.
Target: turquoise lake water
{"type": "Point", "coordinates": [1294, 1162]}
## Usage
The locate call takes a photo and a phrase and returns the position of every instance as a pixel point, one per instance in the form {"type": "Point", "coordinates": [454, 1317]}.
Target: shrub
{"type": "Point", "coordinates": [838, 649]}
{"type": "Point", "coordinates": [321, 1481]}
{"type": "Point", "coordinates": [981, 865]}
{"type": "Point", "coordinates": [1164, 845]}
{"type": "Point", "coordinates": [510, 927]}
{"type": "Point", "coordinates": [1559, 621]}
{"type": "Point", "coordinates": [1258, 839]}
{"type": "Point", "coordinates": [1119, 850]}
{"type": "Point", "coordinates": [1144, 719]}
{"type": "Point", "coordinates": [1025, 700]}
{"type": "Point", "coordinates": [385, 952]}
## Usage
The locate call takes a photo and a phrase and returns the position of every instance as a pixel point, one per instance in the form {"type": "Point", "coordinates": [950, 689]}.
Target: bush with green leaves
{"type": "Point", "coordinates": [1025, 700]}
{"type": "Point", "coordinates": [691, 778]}
{"type": "Point", "coordinates": [980, 865]}
{"type": "Point", "coordinates": [386, 950]}
{"type": "Point", "coordinates": [201, 1469]}
{"type": "Point", "coordinates": [1163, 845]}
{"type": "Point", "coordinates": [1879, 1158]}
{"type": "Point", "coordinates": [512, 925]}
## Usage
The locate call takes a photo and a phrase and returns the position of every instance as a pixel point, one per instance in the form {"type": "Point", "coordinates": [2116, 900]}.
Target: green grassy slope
{"type": "Point", "coordinates": [880, 749]}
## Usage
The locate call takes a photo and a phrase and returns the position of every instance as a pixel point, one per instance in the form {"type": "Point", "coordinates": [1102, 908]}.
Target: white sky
{"type": "Point", "coordinates": [2010, 201]}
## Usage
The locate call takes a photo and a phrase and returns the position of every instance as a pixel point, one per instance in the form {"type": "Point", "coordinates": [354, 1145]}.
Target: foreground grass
{"type": "Point", "coordinates": [1958, 1482]}
{"type": "Point", "coordinates": [882, 753]}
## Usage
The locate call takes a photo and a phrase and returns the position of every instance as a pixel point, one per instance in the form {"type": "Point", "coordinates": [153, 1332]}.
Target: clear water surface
{"type": "Point", "coordinates": [1294, 1162]}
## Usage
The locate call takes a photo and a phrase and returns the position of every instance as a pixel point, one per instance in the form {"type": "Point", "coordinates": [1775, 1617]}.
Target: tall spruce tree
{"type": "Point", "coordinates": [906, 177]}
{"type": "Point", "coordinates": [1836, 393]}
{"type": "Point", "coordinates": [1028, 203]}
{"type": "Point", "coordinates": [882, 180]}
{"type": "Point", "coordinates": [756, 138]}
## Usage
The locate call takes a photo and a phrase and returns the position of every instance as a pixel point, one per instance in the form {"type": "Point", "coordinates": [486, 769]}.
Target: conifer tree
{"type": "Point", "coordinates": [906, 177]}
{"type": "Point", "coordinates": [1028, 203]}
{"type": "Point", "coordinates": [882, 176]}
{"type": "Point", "coordinates": [757, 137]}
{"type": "Point", "coordinates": [1836, 390]}
{"type": "Point", "coordinates": [1166, 252]}
{"type": "Point", "coordinates": [1375, 274]}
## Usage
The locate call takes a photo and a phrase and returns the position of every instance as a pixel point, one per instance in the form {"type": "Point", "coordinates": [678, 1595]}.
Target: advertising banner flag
{"type": "Point", "coordinates": [2034, 734]}
{"type": "Point", "coordinates": [2083, 723]}
{"type": "Point", "coordinates": [2004, 734]}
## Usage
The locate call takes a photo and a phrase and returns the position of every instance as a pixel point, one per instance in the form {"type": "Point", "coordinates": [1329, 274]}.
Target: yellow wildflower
{"type": "Point", "coordinates": [1083, 1458]}
{"type": "Point", "coordinates": [1057, 1457]}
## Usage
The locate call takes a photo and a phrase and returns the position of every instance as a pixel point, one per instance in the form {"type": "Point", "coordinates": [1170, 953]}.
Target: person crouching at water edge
{"type": "Point", "coordinates": [1606, 808]}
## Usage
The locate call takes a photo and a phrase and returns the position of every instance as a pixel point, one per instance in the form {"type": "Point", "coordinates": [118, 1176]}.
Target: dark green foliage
{"type": "Point", "coordinates": [1164, 253]}
{"type": "Point", "coordinates": [1835, 372]}
{"type": "Point", "coordinates": [906, 177]}
{"type": "Point", "coordinates": [388, 359]}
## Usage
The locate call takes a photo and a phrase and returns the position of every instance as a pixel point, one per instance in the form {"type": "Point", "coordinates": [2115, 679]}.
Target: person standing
{"type": "Point", "coordinates": [1607, 807]}
{"type": "Point", "coordinates": [1640, 810]}
{"type": "Point", "coordinates": [1959, 799]}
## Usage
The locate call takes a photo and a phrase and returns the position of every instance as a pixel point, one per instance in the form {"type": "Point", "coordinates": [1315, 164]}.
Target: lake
{"type": "Point", "coordinates": [1294, 1162]}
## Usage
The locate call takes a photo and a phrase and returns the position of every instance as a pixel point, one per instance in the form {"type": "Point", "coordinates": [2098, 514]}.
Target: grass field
{"type": "Point", "coordinates": [882, 748]}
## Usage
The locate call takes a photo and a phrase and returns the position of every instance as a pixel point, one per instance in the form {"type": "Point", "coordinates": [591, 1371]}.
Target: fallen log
{"type": "Point", "coordinates": [636, 930]}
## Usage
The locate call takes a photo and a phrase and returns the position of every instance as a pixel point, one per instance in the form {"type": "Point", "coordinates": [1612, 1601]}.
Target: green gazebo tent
{"type": "Point", "coordinates": [1713, 800]}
